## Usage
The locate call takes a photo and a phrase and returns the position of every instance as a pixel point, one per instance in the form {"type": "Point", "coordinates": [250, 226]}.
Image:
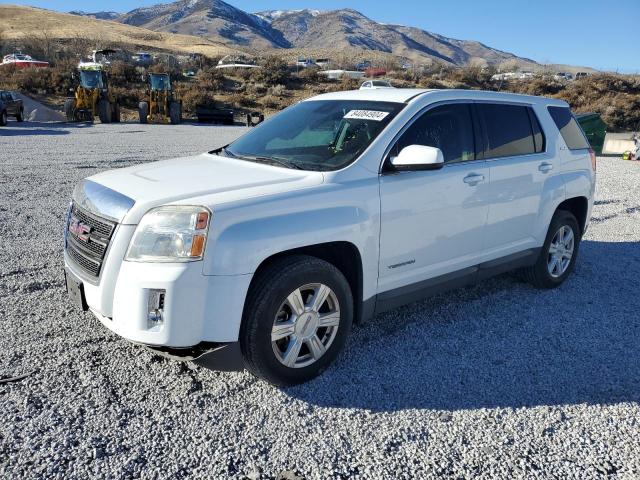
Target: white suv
{"type": "Point", "coordinates": [336, 209]}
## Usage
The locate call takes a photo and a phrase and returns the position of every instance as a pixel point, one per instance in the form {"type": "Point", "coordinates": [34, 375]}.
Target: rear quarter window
{"type": "Point", "coordinates": [508, 130]}
{"type": "Point", "coordinates": [569, 128]}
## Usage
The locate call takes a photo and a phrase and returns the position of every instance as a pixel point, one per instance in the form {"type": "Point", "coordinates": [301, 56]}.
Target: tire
{"type": "Point", "coordinates": [143, 112]}
{"type": "Point", "coordinates": [267, 306]}
{"type": "Point", "coordinates": [3, 118]}
{"type": "Point", "coordinates": [70, 109]}
{"type": "Point", "coordinates": [540, 274]}
{"type": "Point", "coordinates": [116, 113]}
{"type": "Point", "coordinates": [104, 111]}
{"type": "Point", "coordinates": [20, 115]}
{"type": "Point", "coordinates": [175, 113]}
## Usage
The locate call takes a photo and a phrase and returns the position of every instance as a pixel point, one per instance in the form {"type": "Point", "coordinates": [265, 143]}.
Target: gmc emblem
{"type": "Point", "coordinates": [79, 230]}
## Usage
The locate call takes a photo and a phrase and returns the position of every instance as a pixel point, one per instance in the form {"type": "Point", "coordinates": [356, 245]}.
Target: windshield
{"type": "Point", "coordinates": [317, 134]}
{"type": "Point", "coordinates": [91, 78]}
{"type": "Point", "coordinates": [159, 82]}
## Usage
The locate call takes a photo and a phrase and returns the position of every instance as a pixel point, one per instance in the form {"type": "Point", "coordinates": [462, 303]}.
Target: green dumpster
{"type": "Point", "coordinates": [595, 129]}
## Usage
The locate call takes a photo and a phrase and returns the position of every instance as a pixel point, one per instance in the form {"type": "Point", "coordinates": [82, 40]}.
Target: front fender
{"type": "Point", "coordinates": [242, 247]}
{"type": "Point", "coordinates": [243, 236]}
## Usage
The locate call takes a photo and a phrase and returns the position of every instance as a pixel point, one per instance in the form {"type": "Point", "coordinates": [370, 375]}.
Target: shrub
{"type": "Point", "coordinates": [122, 73]}
{"type": "Point", "coordinates": [274, 71]}
{"type": "Point", "coordinates": [270, 101]}
{"type": "Point", "coordinates": [310, 75]}
{"type": "Point", "coordinates": [210, 78]}
{"type": "Point", "coordinates": [127, 96]}
{"type": "Point", "coordinates": [239, 100]}
{"type": "Point", "coordinates": [277, 91]}
{"type": "Point", "coordinates": [194, 97]}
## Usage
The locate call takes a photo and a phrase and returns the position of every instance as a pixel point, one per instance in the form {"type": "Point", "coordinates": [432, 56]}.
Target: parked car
{"type": "Point", "coordinates": [304, 62]}
{"type": "Point", "coordinates": [594, 128]}
{"type": "Point", "coordinates": [10, 106]}
{"type": "Point", "coordinates": [143, 58]}
{"type": "Point", "coordinates": [340, 207]}
{"type": "Point", "coordinates": [375, 84]}
{"type": "Point", "coordinates": [581, 75]}
{"type": "Point", "coordinates": [563, 76]}
{"type": "Point", "coordinates": [499, 77]}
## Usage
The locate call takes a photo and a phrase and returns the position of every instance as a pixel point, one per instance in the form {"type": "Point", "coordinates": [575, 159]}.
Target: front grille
{"type": "Point", "coordinates": [88, 238]}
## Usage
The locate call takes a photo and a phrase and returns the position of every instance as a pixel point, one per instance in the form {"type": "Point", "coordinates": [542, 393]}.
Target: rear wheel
{"type": "Point", "coordinates": [3, 118]}
{"type": "Point", "coordinates": [296, 320]}
{"type": "Point", "coordinates": [116, 113]}
{"type": "Point", "coordinates": [104, 111]}
{"type": "Point", "coordinates": [70, 109]}
{"type": "Point", "coordinates": [143, 112]}
{"type": "Point", "coordinates": [20, 115]}
{"type": "Point", "coordinates": [559, 252]}
{"type": "Point", "coordinates": [175, 113]}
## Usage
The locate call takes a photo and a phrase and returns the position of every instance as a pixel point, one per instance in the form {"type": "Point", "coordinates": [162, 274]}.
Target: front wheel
{"type": "Point", "coordinates": [20, 115]}
{"type": "Point", "coordinates": [70, 109]}
{"type": "Point", "coordinates": [3, 118]}
{"type": "Point", "coordinates": [104, 111]}
{"type": "Point", "coordinates": [296, 320]}
{"type": "Point", "coordinates": [143, 112]}
{"type": "Point", "coordinates": [175, 113]}
{"type": "Point", "coordinates": [558, 255]}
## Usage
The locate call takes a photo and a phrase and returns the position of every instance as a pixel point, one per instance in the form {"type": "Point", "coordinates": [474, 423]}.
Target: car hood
{"type": "Point", "coordinates": [217, 179]}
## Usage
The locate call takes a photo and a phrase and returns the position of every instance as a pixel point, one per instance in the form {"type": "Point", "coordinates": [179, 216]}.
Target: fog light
{"type": "Point", "coordinates": [155, 309]}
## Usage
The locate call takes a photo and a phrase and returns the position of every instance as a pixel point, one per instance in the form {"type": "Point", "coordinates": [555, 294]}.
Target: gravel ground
{"type": "Point", "coordinates": [495, 381]}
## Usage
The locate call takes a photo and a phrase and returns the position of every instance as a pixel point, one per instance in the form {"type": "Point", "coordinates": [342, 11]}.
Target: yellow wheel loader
{"type": "Point", "coordinates": [161, 104]}
{"type": "Point", "coordinates": [92, 97]}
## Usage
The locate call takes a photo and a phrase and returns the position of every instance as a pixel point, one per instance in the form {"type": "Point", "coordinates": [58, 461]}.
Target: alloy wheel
{"type": "Point", "coordinates": [560, 251]}
{"type": "Point", "coordinates": [306, 325]}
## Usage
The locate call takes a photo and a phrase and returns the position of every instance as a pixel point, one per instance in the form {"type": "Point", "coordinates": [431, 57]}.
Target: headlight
{"type": "Point", "coordinates": [170, 234]}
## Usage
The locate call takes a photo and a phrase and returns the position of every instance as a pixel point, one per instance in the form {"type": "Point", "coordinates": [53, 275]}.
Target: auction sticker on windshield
{"type": "Point", "coordinates": [366, 115]}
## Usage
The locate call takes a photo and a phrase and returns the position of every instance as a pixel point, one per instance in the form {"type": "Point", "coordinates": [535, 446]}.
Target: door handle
{"type": "Point", "coordinates": [473, 179]}
{"type": "Point", "coordinates": [545, 167]}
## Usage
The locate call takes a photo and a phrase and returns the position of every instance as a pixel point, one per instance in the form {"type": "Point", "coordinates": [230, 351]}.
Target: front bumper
{"type": "Point", "coordinates": [197, 308]}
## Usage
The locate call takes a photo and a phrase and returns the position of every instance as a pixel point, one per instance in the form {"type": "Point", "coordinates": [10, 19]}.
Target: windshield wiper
{"type": "Point", "coordinates": [227, 152]}
{"type": "Point", "coordinates": [283, 162]}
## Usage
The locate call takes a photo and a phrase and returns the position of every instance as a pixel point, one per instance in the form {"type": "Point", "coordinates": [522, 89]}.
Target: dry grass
{"type": "Point", "coordinates": [21, 23]}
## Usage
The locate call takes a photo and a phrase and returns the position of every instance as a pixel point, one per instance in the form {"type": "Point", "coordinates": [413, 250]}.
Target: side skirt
{"type": "Point", "coordinates": [397, 297]}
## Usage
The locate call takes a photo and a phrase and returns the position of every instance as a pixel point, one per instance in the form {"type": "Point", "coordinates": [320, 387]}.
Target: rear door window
{"type": "Point", "coordinates": [569, 129]}
{"type": "Point", "coordinates": [447, 127]}
{"type": "Point", "coordinates": [508, 130]}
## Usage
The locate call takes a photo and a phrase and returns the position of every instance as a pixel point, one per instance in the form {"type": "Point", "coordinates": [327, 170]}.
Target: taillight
{"type": "Point", "coordinates": [592, 154]}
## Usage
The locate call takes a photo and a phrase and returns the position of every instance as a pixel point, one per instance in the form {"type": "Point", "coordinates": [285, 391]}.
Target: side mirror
{"type": "Point", "coordinates": [418, 157]}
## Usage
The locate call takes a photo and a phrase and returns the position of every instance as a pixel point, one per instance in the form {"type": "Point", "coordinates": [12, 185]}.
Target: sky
{"type": "Point", "coordinates": [603, 35]}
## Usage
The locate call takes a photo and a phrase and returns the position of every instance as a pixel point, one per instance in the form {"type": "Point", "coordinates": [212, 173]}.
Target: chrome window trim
{"type": "Point", "coordinates": [426, 108]}
{"type": "Point", "coordinates": [414, 119]}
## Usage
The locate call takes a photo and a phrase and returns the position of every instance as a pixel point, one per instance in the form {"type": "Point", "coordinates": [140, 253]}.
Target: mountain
{"type": "Point", "coordinates": [97, 15]}
{"type": "Point", "coordinates": [24, 21]}
{"type": "Point", "coordinates": [309, 29]}
{"type": "Point", "coordinates": [208, 18]}
{"type": "Point", "coordinates": [346, 28]}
